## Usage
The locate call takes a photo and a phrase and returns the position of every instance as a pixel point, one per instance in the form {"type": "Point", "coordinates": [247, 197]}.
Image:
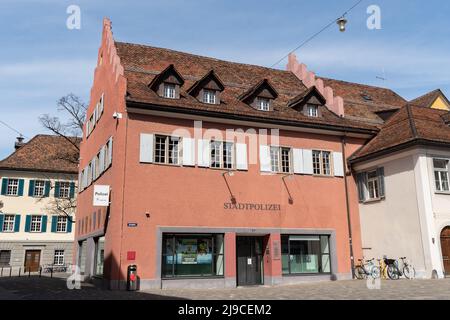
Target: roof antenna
{"type": "Point", "coordinates": [382, 78]}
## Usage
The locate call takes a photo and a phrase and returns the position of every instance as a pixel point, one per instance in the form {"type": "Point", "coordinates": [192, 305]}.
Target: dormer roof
{"type": "Point", "coordinates": [208, 81]}
{"type": "Point", "coordinates": [169, 75]}
{"type": "Point", "coordinates": [262, 89]}
{"type": "Point", "coordinates": [312, 95]}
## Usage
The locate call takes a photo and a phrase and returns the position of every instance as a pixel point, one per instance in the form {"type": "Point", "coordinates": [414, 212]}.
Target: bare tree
{"type": "Point", "coordinates": [74, 111]}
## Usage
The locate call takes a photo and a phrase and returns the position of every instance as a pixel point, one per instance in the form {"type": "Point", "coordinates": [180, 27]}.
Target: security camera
{"type": "Point", "coordinates": [117, 115]}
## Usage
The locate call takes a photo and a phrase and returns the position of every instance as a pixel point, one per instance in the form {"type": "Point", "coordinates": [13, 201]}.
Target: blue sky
{"type": "Point", "coordinates": [41, 60]}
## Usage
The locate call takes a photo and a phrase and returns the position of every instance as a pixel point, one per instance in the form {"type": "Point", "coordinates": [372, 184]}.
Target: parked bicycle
{"type": "Point", "coordinates": [365, 269]}
{"type": "Point", "coordinates": [394, 271]}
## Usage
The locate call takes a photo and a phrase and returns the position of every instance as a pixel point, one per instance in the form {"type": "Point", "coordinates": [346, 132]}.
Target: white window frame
{"type": "Point", "coordinates": [64, 187]}
{"type": "Point", "coordinates": [263, 104]}
{"type": "Point", "coordinates": [209, 96]}
{"type": "Point", "coordinates": [58, 258]}
{"type": "Point", "coordinates": [61, 224]}
{"type": "Point", "coordinates": [9, 221]}
{"type": "Point", "coordinates": [36, 221]}
{"type": "Point", "coordinates": [217, 161]}
{"type": "Point", "coordinates": [12, 187]}
{"type": "Point", "coordinates": [170, 90]}
{"type": "Point", "coordinates": [312, 110]}
{"type": "Point", "coordinates": [325, 169]}
{"type": "Point", "coordinates": [168, 141]}
{"type": "Point", "coordinates": [276, 160]}
{"type": "Point", "coordinates": [439, 183]}
{"type": "Point", "coordinates": [39, 188]}
{"type": "Point", "coordinates": [373, 187]}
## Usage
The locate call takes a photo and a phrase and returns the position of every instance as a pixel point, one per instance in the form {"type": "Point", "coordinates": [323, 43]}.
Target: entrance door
{"type": "Point", "coordinates": [445, 245]}
{"type": "Point", "coordinates": [249, 251]}
{"type": "Point", "coordinates": [32, 260]}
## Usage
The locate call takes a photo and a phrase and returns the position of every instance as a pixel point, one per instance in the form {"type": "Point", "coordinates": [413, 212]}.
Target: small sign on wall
{"type": "Point", "coordinates": [101, 196]}
{"type": "Point", "coordinates": [131, 255]}
{"type": "Point", "coordinates": [276, 250]}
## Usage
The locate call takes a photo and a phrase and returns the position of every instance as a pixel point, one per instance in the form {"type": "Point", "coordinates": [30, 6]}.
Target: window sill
{"type": "Point", "coordinates": [442, 192]}
{"type": "Point", "coordinates": [306, 274]}
{"type": "Point", "coordinates": [373, 200]}
{"type": "Point", "coordinates": [323, 176]}
{"type": "Point", "coordinates": [193, 277]}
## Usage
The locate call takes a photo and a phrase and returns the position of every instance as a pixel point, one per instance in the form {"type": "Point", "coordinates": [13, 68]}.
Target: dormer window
{"type": "Point", "coordinates": [312, 110]}
{"type": "Point", "coordinates": [167, 84]}
{"type": "Point", "coordinates": [260, 96]}
{"type": "Point", "coordinates": [263, 104]}
{"type": "Point", "coordinates": [169, 90]}
{"type": "Point", "coordinates": [209, 96]}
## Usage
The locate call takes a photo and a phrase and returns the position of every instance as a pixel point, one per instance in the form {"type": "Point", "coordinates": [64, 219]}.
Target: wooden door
{"type": "Point", "coordinates": [32, 260]}
{"type": "Point", "coordinates": [445, 245]}
{"type": "Point", "coordinates": [249, 256]}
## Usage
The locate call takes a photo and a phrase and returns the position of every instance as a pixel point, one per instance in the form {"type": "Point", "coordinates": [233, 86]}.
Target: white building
{"type": "Point", "coordinates": [403, 184]}
{"type": "Point", "coordinates": [37, 203]}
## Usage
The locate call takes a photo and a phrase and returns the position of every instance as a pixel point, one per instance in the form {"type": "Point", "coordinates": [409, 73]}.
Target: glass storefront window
{"type": "Point", "coordinates": [192, 255]}
{"type": "Point", "coordinates": [305, 254]}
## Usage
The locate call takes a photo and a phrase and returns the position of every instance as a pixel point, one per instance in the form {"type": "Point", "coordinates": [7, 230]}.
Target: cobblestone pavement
{"type": "Point", "coordinates": [55, 289]}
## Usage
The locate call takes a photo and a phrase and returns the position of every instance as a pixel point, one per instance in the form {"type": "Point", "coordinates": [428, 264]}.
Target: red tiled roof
{"type": "Point", "coordinates": [410, 124]}
{"type": "Point", "coordinates": [361, 101]}
{"type": "Point", "coordinates": [427, 99]}
{"type": "Point", "coordinates": [143, 63]}
{"type": "Point", "coordinates": [45, 153]}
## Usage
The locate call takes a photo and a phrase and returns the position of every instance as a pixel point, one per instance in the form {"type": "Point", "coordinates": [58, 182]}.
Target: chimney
{"type": "Point", "coordinates": [19, 143]}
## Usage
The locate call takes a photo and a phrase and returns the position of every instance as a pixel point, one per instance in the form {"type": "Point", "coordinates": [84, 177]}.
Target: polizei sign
{"type": "Point", "coordinates": [101, 196]}
{"type": "Point", "coordinates": [252, 206]}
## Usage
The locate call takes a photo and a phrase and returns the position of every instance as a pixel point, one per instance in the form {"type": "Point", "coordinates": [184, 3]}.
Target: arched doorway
{"type": "Point", "coordinates": [445, 245]}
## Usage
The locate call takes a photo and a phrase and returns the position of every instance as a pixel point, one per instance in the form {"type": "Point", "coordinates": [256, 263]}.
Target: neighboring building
{"type": "Point", "coordinates": [37, 185]}
{"type": "Point", "coordinates": [403, 178]}
{"type": "Point", "coordinates": [192, 209]}
{"type": "Point", "coordinates": [434, 99]}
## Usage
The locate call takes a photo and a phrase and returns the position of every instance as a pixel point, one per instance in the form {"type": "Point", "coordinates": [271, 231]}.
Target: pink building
{"type": "Point", "coordinates": [220, 174]}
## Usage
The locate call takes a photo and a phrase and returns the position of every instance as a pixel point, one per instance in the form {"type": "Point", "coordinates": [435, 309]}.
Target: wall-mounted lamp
{"type": "Point", "coordinates": [147, 215]}
{"type": "Point", "coordinates": [341, 22]}
{"type": "Point", "coordinates": [290, 199]}
{"type": "Point", "coordinates": [230, 173]}
{"type": "Point", "coordinates": [117, 115]}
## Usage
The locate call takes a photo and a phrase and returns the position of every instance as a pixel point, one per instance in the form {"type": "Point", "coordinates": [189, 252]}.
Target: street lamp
{"type": "Point", "coordinates": [341, 23]}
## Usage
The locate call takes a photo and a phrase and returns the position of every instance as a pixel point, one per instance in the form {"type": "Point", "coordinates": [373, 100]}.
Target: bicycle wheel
{"type": "Point", "coordinates": [409, 272]}
{"type": "Point", "coordinates": [393, 272]}
{"type": "Point", "coordinates": [360, 273]}
{"type": "Point", "coordinates": [375, 272]}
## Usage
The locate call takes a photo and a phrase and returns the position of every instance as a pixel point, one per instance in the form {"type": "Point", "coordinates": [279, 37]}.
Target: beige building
{"type": "Point", "coordinates": [403, 181]}
{"type": "Point", "coordinates": [37, 203]}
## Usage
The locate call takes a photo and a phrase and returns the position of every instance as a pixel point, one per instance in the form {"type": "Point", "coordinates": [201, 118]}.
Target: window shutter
{"type": "Point", "coordinates": [56, 189]}
{"type": "Point", "coordinates": [2, 217]}
{"type": "Point", "coordinates": [110, 150]}
{"type": "Point", "coordinates": [188, 149]}
{"type": "Point", "coordinates": [69, 225]}
{"type": "Point", "coordinates": [17, 223]}
{"type": "Point", "coordinates": [361, 179]}
{"type": "Point", "coordinates": [146, 148]}
{"type": "Point", "coordinates": [241, 156]}
{"type": "Point", "coordinates": [4, 186]}
{"type": "Point", "coordinates": [298, 161]}
{"type": "Point", "coordinates": [380, 175]}
{"type": "Point", "coordinates": [47, 189]}
{"type": "Point", "coordinates": [72, 190]}
{"type": "Point", "coordinates": [94, 168]}
{"type": "Point", "coordinates": [31, 188]}
{"type": "Point", "coordinates": [44, 224]}
{"type": "Point", "coordinates": [307, 162]}
{"type": "Point", "coordinates": [338, 164]}
{"type": "Point", "coordinates": [101, 165]}
{"type": "Point", "coordinates": [203, 153]}
{"type": "Point", "coordinates": [54, 223]}
{"type": "Point", "coordinates": [27, 223]}
{"type": "Point", "coordinates": [21, 184]}
{"type": "Point", "coordinates": [264, 158]}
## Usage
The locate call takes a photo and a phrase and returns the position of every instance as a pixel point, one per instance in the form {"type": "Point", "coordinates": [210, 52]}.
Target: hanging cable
{"type": "Point", "coordinates": [317, 33]}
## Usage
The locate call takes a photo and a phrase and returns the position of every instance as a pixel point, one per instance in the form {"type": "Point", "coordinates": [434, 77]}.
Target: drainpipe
{"type": "Point", "coordinates": [347, 204]}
